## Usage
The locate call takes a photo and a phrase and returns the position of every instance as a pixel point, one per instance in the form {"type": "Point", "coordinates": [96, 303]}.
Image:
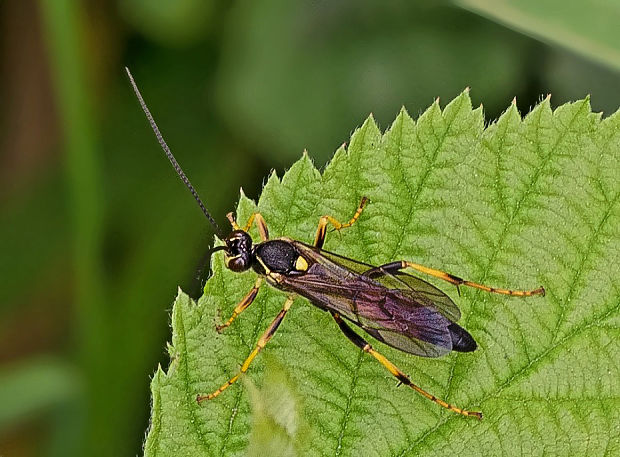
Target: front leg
{"type": "Point", "coordinates": [262, 342]}
{"type": "Point", "coordinates": [243, 304]}
{"type": "Point", "coordinates": [255, 217]}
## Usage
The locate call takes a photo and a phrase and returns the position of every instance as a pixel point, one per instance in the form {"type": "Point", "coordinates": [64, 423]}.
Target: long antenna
{"type": "Point", "coordinates": [173, 161]}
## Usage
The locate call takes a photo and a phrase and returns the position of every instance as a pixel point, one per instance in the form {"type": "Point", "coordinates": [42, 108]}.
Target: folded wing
{"type": "Point", "coordinates": [400, 310]}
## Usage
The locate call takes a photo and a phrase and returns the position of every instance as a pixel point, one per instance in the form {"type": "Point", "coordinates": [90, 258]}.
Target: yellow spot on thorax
{"type": "Point", "coordinates": [301, 264]}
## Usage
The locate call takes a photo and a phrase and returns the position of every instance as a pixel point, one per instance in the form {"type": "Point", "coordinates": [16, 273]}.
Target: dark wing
{"type": "Point", "coordinates": [399, 310]}
{"type": "Point", "coordinates": [401, 322]}
{"type": "Point", "coordinates": [417, 288]}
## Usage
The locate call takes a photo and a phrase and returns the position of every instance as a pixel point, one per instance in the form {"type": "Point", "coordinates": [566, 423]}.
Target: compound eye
{"type": "Point", "coordinates": [237, 264]}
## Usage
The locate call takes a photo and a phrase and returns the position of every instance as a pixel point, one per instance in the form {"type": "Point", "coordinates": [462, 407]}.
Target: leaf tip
{"type": "Point", "coordinates": [369, 125]}
{"type": "Point", "coordinates": [307, 160]}
{"type": "Point", "coordinates": [545, 105]}
{"type": "Point", "coordinates": [159, 373]}
{"type": "Point", "coordinates": [402, 117]}
{"type": "Point", "coordinates": [511, 111]}
{"type": "Point", "coordinates": [273, 174]}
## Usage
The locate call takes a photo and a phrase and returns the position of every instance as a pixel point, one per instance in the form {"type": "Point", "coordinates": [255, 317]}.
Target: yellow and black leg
{"type": "Point", "coordinates": [243, 304]}
{"type": "Point", "coordinates": [321, 230]}
{"type": "Point", "coordinates": [396, 372]}
{"type": "Point", "coordinates": [393, 267]}
{"type": "Point", "coordinates": [255, 217]}
{"type": "Point", "coordinates": [262, 342]}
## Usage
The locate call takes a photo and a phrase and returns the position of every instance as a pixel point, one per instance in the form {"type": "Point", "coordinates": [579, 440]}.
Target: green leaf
{"type": "Point", "coordinates": [589, 28]}
{"type": "Point", "coordinates": [520, 203]}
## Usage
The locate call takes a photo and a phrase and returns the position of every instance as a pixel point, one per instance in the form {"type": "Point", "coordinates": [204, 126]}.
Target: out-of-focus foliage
{"type": "Point", "coordinates": [590, 28]}
{"type": "Point", "coordinates": [278, 425]}
{"type": "Point", "coordinates": [96, 230]}
{"type": "Point", "coordinates": [61, 385]}
{"type": "Point", "coordinates": [299, 74]}
{"type": "Point", "coordinates": [169, 23]}
{"type": "Point", "coordinates": [585, 28]}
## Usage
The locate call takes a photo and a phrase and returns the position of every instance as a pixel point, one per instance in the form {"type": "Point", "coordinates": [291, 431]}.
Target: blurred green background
{"type": "Point", "coordinates": [96, 230]}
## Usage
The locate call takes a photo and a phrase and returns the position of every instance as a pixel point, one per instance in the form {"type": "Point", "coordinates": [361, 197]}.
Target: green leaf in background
{"type": "Point", "coordinates": [589, 28]}
{"type": "Point", "coordinates": [292, 68]}
{"type": "Point", "coordinates": [520, 203]}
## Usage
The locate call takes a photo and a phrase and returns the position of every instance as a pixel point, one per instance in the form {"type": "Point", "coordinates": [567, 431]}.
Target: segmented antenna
{"type": "Point", "coordinates": [173, 161]}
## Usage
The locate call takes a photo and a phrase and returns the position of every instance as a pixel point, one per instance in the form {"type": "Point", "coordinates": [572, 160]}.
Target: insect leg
{"type": "Point", "coordinates": [402, 377]}
{"type": "Point", "coordinates": [262, 341]}
{"type": "Point", "coordinates": [393, 267]}
{"type": "Point", "coordinates": [255, 217]}
{"type": "Point", "coordinates": [243, 304]}
{"type": "Point", "coordinates": [321, 230]}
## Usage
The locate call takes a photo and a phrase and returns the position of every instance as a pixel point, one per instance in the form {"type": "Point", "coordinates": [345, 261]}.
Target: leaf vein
{"type": "Point", "coordinates": [347, 410]}
{"type": "Point", "coordinates": [594, 238]}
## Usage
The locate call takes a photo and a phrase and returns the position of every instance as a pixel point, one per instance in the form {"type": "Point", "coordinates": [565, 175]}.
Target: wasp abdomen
{"type": "Point", "coordinates": [462, 341]}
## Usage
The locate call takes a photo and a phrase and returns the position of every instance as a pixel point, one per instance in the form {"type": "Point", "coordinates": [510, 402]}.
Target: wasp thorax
{"type": "Point", "coordinates": [239, 251]}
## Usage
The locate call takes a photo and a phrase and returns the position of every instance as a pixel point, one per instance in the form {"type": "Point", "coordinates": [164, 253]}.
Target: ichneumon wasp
{"type": "Point", "coordinates": [394, 307]}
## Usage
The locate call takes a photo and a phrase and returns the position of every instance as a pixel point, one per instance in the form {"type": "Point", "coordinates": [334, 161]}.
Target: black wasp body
{"type": "Point", "coordinates": [392, 306]}
{"type": "Point", "coordinates": [320, 276]}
